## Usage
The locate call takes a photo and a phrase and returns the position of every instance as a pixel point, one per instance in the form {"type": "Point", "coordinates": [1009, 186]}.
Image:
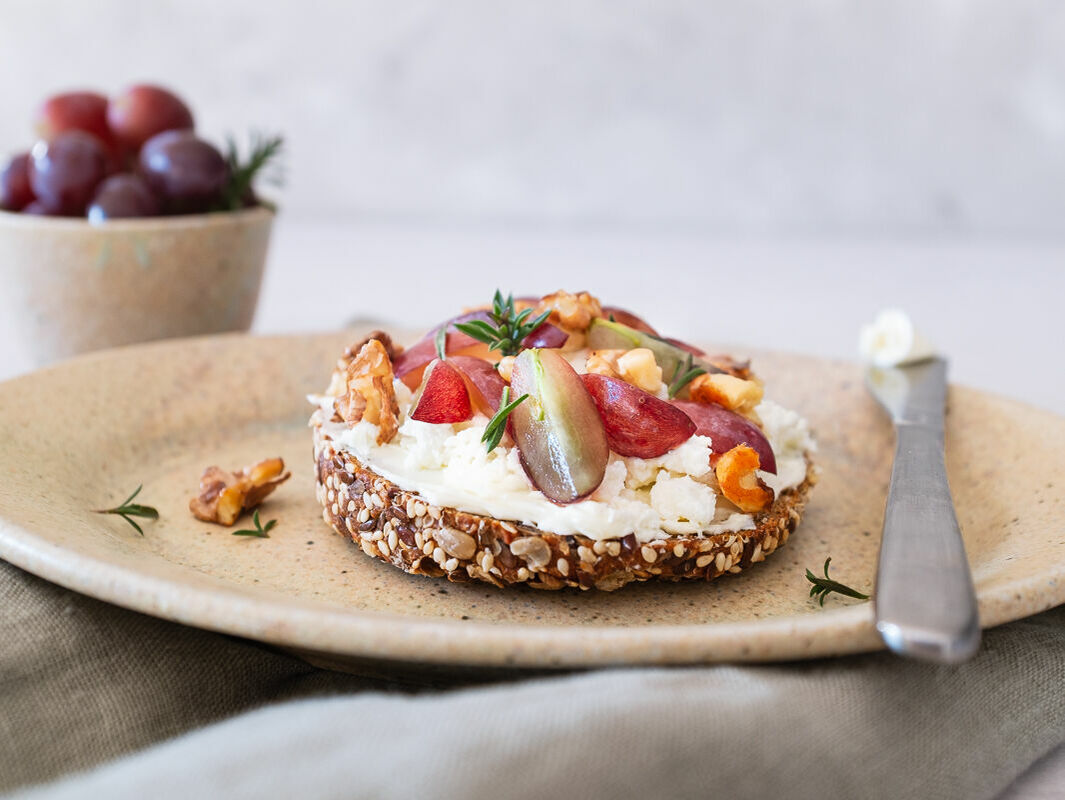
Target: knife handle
{"type": "Point", "coordinates": [925, 604]}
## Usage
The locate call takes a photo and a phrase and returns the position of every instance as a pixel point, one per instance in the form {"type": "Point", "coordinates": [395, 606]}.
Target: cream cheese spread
{"type": "Point", "coordinates": [448, 465]}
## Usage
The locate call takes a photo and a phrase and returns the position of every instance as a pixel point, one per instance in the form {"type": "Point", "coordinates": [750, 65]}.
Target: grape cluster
{"type": "Point", "coordinates": [134, 155]}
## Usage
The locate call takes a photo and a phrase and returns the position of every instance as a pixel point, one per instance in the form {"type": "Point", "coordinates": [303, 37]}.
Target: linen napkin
{"type": "Point", "coordinates": [82, 682]}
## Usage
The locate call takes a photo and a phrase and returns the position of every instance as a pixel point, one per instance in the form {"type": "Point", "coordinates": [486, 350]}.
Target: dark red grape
{"type": "Point", "coordinates": [73, 111]}
{"type": "Point", "coordinates": [140, 112]}
{"type": "Point", "coordinates": [123, 195]}
{"type": "Point", "coordinates": [64, 172]}
{"type": "Point", "coordinates": [36, 208]}
{"type": "Point", "coordinates": [186, 171]}
{"type": "Point", "coordinates": [15, 191]}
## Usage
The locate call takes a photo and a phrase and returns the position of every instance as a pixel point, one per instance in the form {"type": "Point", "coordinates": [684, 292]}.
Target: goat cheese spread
{"type": "Point", "coordinates": [891, 340]}
{"type": "Point", "coordinates": [448, 465]}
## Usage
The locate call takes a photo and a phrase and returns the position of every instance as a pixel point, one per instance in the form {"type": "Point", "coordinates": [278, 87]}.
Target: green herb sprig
{"type": "Point", "coordinates": [242, 174]}
{"type": "Point", "coordinates": [260, 531]}
{"type": "Point", "coordinates": [822, 587]}
{"type": "Point", "coordinates": [683, 375]}
{"type": "Point", "coordinates": [129, 509]}
{"type": "Point", "coordinates": [441, 342]}
{"type": "Point", "coordinates": [497, 426]}
{"type": "Point", "coordinates": [509, 329]}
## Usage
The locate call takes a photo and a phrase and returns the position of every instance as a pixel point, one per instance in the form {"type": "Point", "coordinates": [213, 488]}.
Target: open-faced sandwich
{"type": "Point", "coordinates": [556, 442]}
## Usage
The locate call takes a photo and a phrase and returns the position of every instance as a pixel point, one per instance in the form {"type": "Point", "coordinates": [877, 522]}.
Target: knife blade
{"type": "Point", "coordinates": [924, 600]}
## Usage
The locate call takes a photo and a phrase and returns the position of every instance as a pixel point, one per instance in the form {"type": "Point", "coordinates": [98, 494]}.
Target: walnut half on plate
{"type": "Point", "coordinates": [224, 496]}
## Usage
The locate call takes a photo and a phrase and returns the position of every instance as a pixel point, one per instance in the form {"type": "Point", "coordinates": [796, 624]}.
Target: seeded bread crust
{"type": "Point", "coordinates": [398, 526]}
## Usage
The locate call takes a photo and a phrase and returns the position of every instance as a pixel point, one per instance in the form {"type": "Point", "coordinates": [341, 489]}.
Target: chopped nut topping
{"type": "Point", "coordinates": [505, 367]}
{"type": "Point", "coordinates": [338, 384]}
{"type": "Point", "coordinates": [369, 393]}
{"type": "Point", "coordinates": [571, 312]}
{"type": "Point", "coordinates": [733, 393]}
{"type": "Point", "coordinates": [224, 496]}
{"type": "Point", "coordinates": [637, 366]}
{"type": "Point", "coordinates": [738, 478]}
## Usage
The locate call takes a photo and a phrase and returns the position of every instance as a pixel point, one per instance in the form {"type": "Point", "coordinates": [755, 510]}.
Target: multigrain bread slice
{"type": "Point", "coordinates": [397, 525]}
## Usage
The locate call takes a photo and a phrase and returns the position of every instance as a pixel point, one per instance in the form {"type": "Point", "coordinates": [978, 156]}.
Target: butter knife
{"type": "Point", "coordinates": [925, 603]}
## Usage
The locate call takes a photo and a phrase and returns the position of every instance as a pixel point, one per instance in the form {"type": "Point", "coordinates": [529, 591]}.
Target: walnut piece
{"type": "Point", "coordinates": [571, 312]}
{"type": "Point", "coordinates": [636, 366]}
{"type": "Point", "coordinates": [733, 393]}
{"type": "Point", "coordinates": [338, 384]}
{"type": "Point", "coordinates": [368, 391]}
{"type": "Point", "coordinates": [224, 496]}
{"type": "Point", "coordinates": [737, 476]}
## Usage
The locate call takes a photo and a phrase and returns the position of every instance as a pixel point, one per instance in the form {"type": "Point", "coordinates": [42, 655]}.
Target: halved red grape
{"type": "Point", "coordinates": [727, 429]}
{"type": "Point", "coordinates": [637, 423]}
{"type": "Point", "coordinates": [485, 384]}
{"type": "Point", "coordinates": [444, 397]}
{"type": "Point", "coordinates": [124, 195]}
{"type": "Point", "coordinates": [140, 112]}
{"type": "Point", "coordinates": [560, 436]}
{"type": "Point", "coordinates": [15, 191]}
{"type": "Point", "coordinates": [627, 318]}
{"type": "Point", "coordinates": [65, 172]}
{"type": "Point", "coordinates": [186, 171]}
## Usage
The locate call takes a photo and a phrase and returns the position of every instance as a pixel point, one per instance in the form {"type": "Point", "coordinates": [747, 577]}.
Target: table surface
{"type": "Point", "coordinates": [993, 307]}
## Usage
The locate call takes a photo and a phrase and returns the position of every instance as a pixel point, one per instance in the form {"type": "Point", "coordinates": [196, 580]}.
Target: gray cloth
{"type": "Point", "coordinates": [82, 682]}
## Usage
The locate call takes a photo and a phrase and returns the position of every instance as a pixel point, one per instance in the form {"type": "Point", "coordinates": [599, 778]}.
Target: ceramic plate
{"type": "Point", "coordinates": [84, 434]}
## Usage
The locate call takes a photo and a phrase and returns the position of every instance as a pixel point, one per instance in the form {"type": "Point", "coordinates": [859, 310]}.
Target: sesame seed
{"type": "Point", "coordinates": [439, 556]}
{"type": "Point", "coordinates": [487, 561]}
{"type": "Point", "coordinates": [393, 539]}
{"type": "Point", "coordinates": [563, 566]}
{"type": "Point", "coordinates": [419, 540]}
{"type": "Point", "coordinates": [451, 564]}
{"type": "Point", "coordinates": [649, 554]}
{"type": "Point", "coordinates": [719, 562]}
{"type": "Point", "coordinates": [756, 554]}
{"type": "Point", "coordinates": [599, 547]}
{"type": "Point", "coordinates": [428, 547]}
{"type": "Point", "coordinates": [366, 499]}
{"type": "Point", "coordinates": [586, 555]}
{"type": "Point", "coordinates": [419, 509]}
{"type": "Point", "coordinates": [349, 466]}
{"type": "Point", "coordinates": [377, 501]}
{"type": "Point", "coordinates": [364, 514]}
{"type": "Point", "coordinates": [410, 508]}
{"type": "Point", "coordinates": [522, 574]}
{"type": "Point", "coordinates": [678, 550]}
{"type": "Point", "coordinates": [434, 512]}
{"type": "Point", "coordinates": [331, 496]}
{"type": "Point", "coordinates": [350, 524]}
{"type": "Point", "coordinates": [386, 551]}
{"type": "Point", "coordinates": [614, 548]}
{"type": "Point", "coordinates": [702, 561]}
{"type": "Point", "coordinates": [351, 506]}
{"type": "Point", "coordinates": [508, 527]}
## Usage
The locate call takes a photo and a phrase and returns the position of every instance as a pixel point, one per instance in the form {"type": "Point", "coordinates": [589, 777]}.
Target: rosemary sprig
{"type": "Point", "coordinates": [822, 587]}
{"type": "Point", "coordinates": [128, 509]}
{"type": "Point", "coordinates": [510, 328]}
{"type": "Point", "coordinates": [259, 530]}
{"type": "Point", "coordinates": [242, 174]}
{"type": "Point", "coordinates": [497, 426]}
{"type": "Point", "coordinates": [441, 343]}
{"type": "Point", "coordinates": [683, 375]}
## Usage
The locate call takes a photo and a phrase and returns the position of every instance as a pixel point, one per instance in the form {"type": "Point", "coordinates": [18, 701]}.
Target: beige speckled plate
{"type": "Point", "coordinates": [82, 435]}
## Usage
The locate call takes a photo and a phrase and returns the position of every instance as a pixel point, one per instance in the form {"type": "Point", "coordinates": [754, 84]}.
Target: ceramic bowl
{"type": "Point", "coordinates": [69, 286]}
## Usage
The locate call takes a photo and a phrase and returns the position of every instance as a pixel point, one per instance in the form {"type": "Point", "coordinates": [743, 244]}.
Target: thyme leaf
{"type": "Point", "coordinates": [128, 509]}
{"type": "Point", "coordinates": [260, 531]}
{"type": "Point", "coordinates": [822, 587]}
{"type": "Point", "coordinates": [508, 327]}
{"type": "Point", "coordinates": [683, 375]}
{"type": "Point", "coordinates": [497, 426]}
{"type": "Point", "coordinates": [441, 343]}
